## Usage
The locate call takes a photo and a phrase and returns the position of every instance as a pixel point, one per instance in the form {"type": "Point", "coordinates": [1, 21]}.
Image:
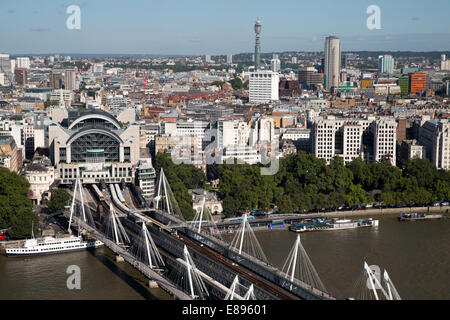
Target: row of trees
{"type": "Point", "coordinates": [305, 183]}
{"type": "Point", "coordinates": [16, 209]}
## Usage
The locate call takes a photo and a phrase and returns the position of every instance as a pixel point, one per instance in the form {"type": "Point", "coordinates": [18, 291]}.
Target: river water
{"type": "Point", "coordinates": [45, 277]}
{"type": "Point", "coordinates": [416, 255]}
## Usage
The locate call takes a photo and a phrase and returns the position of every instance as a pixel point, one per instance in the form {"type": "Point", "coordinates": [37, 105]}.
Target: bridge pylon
{"type": "Point", "coordinates": [165, 199]}
{"type": "Point", "coordinates": [298, 266]}
{"type": "Point", "coordinates": [145, 250]}
{"type": "Point", "coordinates": [113, 229]}
{"type": "Point", "coordinates": [78, 207]}
{"type": "Point", "coordinates": [246, 241]}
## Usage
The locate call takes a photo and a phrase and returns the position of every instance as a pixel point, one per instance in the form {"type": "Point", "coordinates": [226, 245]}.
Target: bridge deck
{"type": "Point", "coordinates": [128, 257]}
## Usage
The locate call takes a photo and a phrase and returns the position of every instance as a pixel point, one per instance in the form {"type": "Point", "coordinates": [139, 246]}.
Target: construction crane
{"type": "Point", "coordinates": [81, 70]}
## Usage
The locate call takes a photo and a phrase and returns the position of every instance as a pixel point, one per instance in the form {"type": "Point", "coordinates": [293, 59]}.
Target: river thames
{"type": "Point", "coordinates": [416, 255]}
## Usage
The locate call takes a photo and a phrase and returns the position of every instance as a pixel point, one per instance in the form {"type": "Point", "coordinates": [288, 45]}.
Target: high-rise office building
{"type": "Point", "coordinates": [275, 65]}
{"type": "Point", "coordinates": [309, 78]}
{"type": "Point", "coordinates": [386, 64]}
{"type": "Point", "coordinates": [264, 86]}
{"type": "Point", "coordinates": [56, 79]}
{"type": "Point", "coordinates": [21, 76]}
{"type": "Point", "coordinates": [417, 82]}
{"type": "Point", "coordinates": [5, 64]}
{"type": "Point", "coordinates": [257, 45]}
{"type": "Point", "coordinates": [403, 82]}
{"type": "Point", "coordinates": [445, 63]}
{"type": "Point", "coordinates": [70, 79]}
{"type": "Point", "coordinates": [294, 60]}
{"type": "Point", "coordinates": [332, 62]}
{"type": "Point", "coordinates": [229, 59]}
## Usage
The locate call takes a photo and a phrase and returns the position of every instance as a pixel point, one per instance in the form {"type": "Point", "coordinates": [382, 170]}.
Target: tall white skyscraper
{"type": "Point", "coordinates": [229, 59]}
{"type": "Point", "coordinates": [386, 64]}
{"type": "Point", "coordinates": [275, 65]}
{"type": "Point", "coordinates": [332, 62]}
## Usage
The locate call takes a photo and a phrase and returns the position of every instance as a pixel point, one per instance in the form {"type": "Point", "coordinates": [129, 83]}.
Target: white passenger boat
{"type": "Point", "coordinates": [50, 245]}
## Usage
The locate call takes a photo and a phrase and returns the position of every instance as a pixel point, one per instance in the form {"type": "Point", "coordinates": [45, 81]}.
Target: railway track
{"type": "Point", "coordinates": [243, 272]}
{"type": "Point", "coordinates": [240, 270]}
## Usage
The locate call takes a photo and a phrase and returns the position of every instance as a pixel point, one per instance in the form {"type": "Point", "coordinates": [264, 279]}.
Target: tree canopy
{"type": "Point", "coordinates": [58, 200]}
{"type": "Point", "coordinates": [304, 183]}
{"type": "Point", "coordinates": [16, 209]}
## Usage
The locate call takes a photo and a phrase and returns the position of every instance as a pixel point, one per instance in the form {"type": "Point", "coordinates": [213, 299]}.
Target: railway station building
{"type": "Point", "coordinates": [94, 146]}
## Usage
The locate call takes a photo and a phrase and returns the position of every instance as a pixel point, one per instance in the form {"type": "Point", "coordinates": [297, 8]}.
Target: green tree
{"type": "Point", "coordinates": [236, 83]}
{"type": "Point", "coordinates": [58, 200]}
{"type": "Point", "coordinates": [16, 213]}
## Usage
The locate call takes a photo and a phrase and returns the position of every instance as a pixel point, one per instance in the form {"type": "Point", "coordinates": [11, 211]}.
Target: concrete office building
{"type": "Point", "coordinates": [332, 65]}
{"type": "Point", "coordinates": [56, 79]}
{"type": "Point", "coordinates": [23, 62]}
{"type": "Point", "coordinates": [309, 78]}
{"type": "Point", "coordinates": [353, 138]}
{"type": "Point", "coordinates": [445, 63]}
{"type": "Point", "coordinates": [5, 65]}
{"type": "Point", "coordinates": [264, 86]}
{"type": "Point", "coordinates": [410, 149]}
{"type": "Point", "coordinates": [70, 79]}
{"type": "Point", "coordinates": [385, 139]}
{"type": "Point", "coordinates": [21, 76]}
{"type": "Point", "coordinates": [275, 65]}
{"type": "Point", "coordinates": [434, 135]}
{"type": "Point", "coordinates": [145, 178]}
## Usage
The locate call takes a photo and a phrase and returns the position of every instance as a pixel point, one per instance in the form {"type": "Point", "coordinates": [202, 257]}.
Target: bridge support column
{"type": "Point", "coordinates": [152, 284]}
{"type": "Point", "coordinates": [119, 259]}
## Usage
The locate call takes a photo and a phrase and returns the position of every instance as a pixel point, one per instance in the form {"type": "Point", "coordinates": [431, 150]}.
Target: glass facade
{"type": "Point", "coordinates": [95, 147]}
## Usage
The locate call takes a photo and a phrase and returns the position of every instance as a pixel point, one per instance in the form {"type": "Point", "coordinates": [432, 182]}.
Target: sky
{"type": "Point", "coordinates": [198, 27]}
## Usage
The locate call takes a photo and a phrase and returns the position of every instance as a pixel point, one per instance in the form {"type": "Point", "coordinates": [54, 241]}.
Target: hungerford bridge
{"type": "Point", "coordinates": [191, 261]}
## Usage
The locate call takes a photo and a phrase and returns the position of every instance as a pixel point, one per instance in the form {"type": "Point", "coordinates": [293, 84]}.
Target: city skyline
{"type": "Point", "coordinates": [218, 28]}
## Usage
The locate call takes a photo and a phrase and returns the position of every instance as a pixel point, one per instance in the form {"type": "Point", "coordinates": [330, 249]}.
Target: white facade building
{"type": "Point", "coordinates": [275, 65]}
{"type": "Point", "coordinates": [385, 139]}
{"type": "Point", "coordinates": [435, 137]}
{"type": "Point", "coordinates": [23, 62]}
{"type": "Point", "coordinates": [264, 86]}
